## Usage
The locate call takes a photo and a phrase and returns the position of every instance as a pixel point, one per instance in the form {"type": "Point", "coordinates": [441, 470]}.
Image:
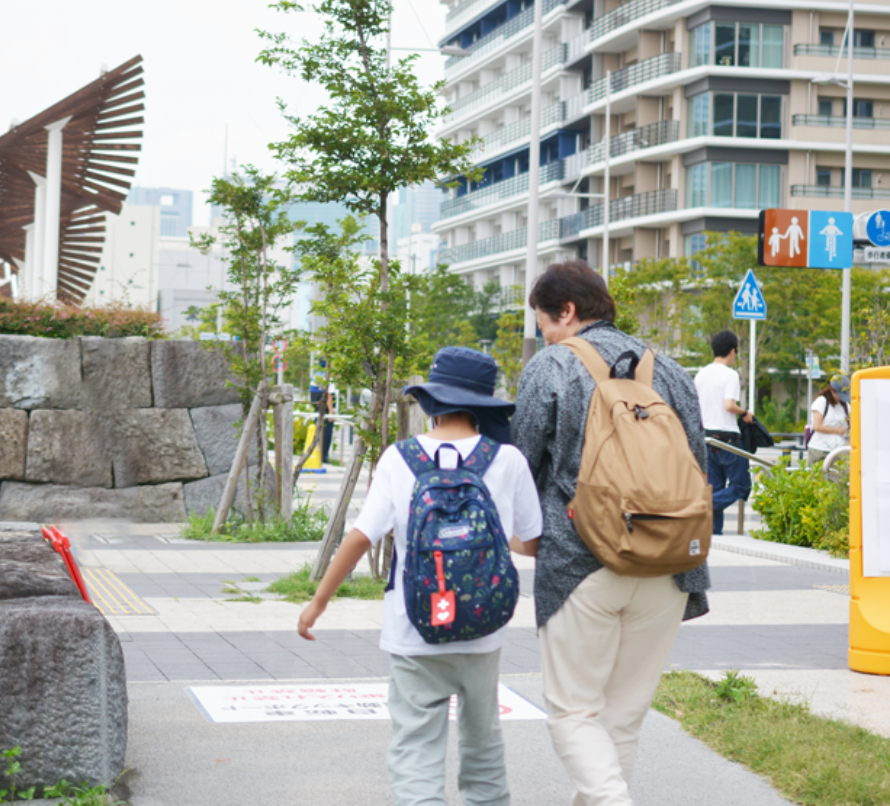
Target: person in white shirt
{"type": "Point", "coordinates": [718, 394]}
{"type": "Point", "coordinates": [831, 419]}
{"type": "Point", "coordinates": [459, 398]}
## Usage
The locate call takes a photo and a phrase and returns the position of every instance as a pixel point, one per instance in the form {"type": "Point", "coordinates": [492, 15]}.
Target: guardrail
{"type": "Point", "coordinates": [625, 13]}
{"type": "Point", "coordinates": [832, 457]}
{"type": "Point", "coordinates": [835, 50]}
{"type": "Point", "coordinates": [662, 65]}
{"type": "Point", "coordinates": [716, 443]}
{"type": "Point", "coordinates": [835, 192]}
{"type": "Point", "coordinates": [839, 121]}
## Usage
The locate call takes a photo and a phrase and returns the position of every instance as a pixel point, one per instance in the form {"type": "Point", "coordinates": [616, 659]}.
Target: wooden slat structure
{"type": "Point", "coordinates": [99, 157]}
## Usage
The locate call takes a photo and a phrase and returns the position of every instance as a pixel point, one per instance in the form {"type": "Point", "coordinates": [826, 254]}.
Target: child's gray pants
{"type": "Point", "coordinates": [419, 692]}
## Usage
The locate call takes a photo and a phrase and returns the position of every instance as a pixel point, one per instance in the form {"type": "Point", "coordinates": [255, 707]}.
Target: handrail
{"type": "Point", "coordinates": [716, 443]}
{"type": "Point", "coordinates": [832, 457]}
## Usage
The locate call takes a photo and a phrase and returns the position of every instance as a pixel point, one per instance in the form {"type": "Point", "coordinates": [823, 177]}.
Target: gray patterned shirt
{"type": "Point", "coordinates": [551, 413]}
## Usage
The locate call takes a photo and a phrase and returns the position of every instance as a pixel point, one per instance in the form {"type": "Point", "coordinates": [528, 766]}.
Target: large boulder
{"type": "Point", "coordinates": [206, 494]}
{"type": "Point", "coordinates": [187, 374]}
{"type": "Point", "coordinates": [218, 436]}
{"type": "Point", "coordinates": [63, 691]}
{"type": "Point", "coordinates": [39, 373]}
{"type": "Point", "coordinates": [14, 440]}
{"type": "Point", "coordinates": [68, 447]}
{"type": "Point", "coordinates": [161, 503]}
{"type": "Point", "coordinates": [116, 373]}
{"type": "Point", "coordinates": [152, 446]}
{"type": "Point", "coordinates": [29, 567]}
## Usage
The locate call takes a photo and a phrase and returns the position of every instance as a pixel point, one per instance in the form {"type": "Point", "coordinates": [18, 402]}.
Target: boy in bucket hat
{"type": "Point", "coordinates": [466, 417]}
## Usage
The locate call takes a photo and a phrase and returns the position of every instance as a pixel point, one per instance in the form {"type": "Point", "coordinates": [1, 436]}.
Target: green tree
{"type": "Point", "coordinates": [507, 349]}
{"type": "Point", "coordinates": [372, 137]}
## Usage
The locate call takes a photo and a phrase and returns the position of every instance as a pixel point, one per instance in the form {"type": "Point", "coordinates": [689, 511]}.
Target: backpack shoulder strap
{"type": "Point", "coordinates": [588, 355]}
{"type": "Point", "coordinates": [482, 456]}
{"type": "Point", "coordinates": [645, 370]}
{"type": "Point", "coordinates": [415, 456]}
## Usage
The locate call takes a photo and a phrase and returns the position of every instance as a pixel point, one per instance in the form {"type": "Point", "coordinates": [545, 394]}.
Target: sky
{"type": "Point", "coordinates": [200, 74]}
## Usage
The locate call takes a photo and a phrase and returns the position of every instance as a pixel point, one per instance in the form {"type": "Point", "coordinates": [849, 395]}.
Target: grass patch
{"type": "Point", "coordinates": [298, 588]}
{"type": "Point", "coordinates": [810, 759]}
{"type": "Point", "coordinates": [307, 525]}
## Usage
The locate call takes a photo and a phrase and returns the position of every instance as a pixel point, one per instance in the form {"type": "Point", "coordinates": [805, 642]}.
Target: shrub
{"type": "Point", "coordinates": [779, 419]}
{"type": "Point", "coordinates": [804, 507]}
{"type": "Point", "coordinates": [56, 320]}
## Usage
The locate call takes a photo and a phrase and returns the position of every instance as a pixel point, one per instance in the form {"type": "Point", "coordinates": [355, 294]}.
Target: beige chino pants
{"type": "Point", "coordinates": [603, 654]}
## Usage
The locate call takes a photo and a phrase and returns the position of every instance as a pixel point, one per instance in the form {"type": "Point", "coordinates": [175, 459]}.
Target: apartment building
{"type": "Point", "coordinates": [718, 110]}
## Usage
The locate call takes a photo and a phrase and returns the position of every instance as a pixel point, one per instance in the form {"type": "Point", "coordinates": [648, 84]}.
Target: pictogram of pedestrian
{"type": "Point", "coordinates": [831, 232]}
{"type": "Point", "coordinates": [794, 234]}
{"type": "Point", "coordinates": [775, 241]}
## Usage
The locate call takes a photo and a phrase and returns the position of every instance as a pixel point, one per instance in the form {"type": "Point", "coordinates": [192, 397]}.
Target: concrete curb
{"type": "Point", "coordinates": [779, 552]}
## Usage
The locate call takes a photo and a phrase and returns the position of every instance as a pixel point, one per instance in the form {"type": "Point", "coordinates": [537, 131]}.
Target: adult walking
{"type": "Point", "coordinates": [604, 638]}
{"type": "Point", "coordinates": [831, 420]}
{"type": "Point", "coordinates": [719, 391]}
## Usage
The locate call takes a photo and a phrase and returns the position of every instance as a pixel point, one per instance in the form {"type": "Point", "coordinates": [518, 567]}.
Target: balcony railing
{"type": "Point", "coordinates": [507, 82]}
{"type": "Point", "coordinates": [834, 192]}
{"type": "Point", "coordinates": [835, 51]}
{"type": "Point", "coordinates": [521, 129]}
{"type": "Point", "coordinates": [643, 204]}
{"type": "Point", "coordinates": [840, 121]}
{"type": "Point", "coordinates": [466, 11]}
{"type": "Point", "coordinates": [655, 134]}
{"type": "Point", "coordinates": [625, 13]}
{"type": "Point", "coordinates": [501, 34]}
{"type": "Point", "coordinates": [662, 65]}
{"type": "Point", "coordinates": [505, 242]}
{"type": "Point", "coordinates": [490, 194]}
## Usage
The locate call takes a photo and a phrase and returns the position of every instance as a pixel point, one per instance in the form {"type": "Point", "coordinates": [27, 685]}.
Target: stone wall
{"type": "Point", "coordinates": [113, 428]}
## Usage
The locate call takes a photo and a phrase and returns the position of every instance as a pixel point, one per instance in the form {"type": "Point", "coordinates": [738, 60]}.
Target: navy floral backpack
{"type": "Point", "coordinates": [460, 582]}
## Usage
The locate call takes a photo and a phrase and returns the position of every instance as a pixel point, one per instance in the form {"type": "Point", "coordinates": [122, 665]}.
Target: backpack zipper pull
{"type": "Point", "coordinates": [627, 519]}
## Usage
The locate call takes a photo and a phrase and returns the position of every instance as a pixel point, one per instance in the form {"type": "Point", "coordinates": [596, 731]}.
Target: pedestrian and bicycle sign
{"type": "Point", "coordinates": [749, 302]}
{"type": "Point", "coordinates": [815, 239]}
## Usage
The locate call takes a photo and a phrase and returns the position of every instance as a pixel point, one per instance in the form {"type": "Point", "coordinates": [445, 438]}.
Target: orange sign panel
{"type": "Point", "coordinates": [785, 238]}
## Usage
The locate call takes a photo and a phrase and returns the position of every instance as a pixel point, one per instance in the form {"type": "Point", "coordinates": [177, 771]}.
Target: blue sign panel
{"type": "Point", "coordinates": [878, 228]}
{"type": "Point", "coordinates": [831, 240]}
{"type": "Point", "coordinates": [749, 302]}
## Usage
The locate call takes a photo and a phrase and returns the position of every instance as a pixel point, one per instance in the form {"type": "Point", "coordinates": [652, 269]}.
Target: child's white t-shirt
{"type": "Point", "coordinates": [387, 506]}
{"type": "Point", "coordinates": [832, 417]}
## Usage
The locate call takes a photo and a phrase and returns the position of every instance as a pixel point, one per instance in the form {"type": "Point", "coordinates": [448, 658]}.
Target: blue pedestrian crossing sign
{"type": "Point", "coordinates": [749, 302]}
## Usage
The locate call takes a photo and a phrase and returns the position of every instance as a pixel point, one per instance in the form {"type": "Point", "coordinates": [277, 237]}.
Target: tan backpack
{"type": "Point", "coordinates": [643, 504]}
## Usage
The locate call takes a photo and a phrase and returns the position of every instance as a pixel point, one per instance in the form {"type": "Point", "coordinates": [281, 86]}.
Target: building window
{"type": "Point", "coordinates": [823, 177]}
{"type": "Point", "coordinates": [861, 177]}
{"type": "Point", "coordinates": [825, 107]}
{"type": "Point", "coordinates": [861, 108]}
{"type": "Point", "coordinates": [736, 115]}
{"type": "Point", "coordinates": [739, 185]}
{"type": "Point", "coordinates": [740, 44]}
{"type": "Point", "coordinates": [826, 38]}
{"type": "Point", "coordinates": [863, 39]}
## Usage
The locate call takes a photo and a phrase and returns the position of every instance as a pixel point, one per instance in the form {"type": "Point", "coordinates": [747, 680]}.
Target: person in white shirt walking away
{"type": "Point", "coordinates": [831, 419]}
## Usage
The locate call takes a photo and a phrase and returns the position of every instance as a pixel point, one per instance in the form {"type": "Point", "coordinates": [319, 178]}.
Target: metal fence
{"type": "Point", "coordinates": [835, 192]}
{"type": "Point", "coordinates": [655, 134]}
{"type": "Point", "coordinates": [499, 190]}
{"type": "Point", "coordinates": [835, 50]}
{"type": "Point", "coordinates": [840, 121]}
{"type": "Point", "coordinates": [642, 204]}
{"type": "Point", "coordinates": [662, 65]}
{"type": "Point", "coordinates": [625, 13]}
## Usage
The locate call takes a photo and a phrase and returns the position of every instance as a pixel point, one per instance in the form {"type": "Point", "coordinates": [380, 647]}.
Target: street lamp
{"type": "Point", "coordinates": [834, 78]}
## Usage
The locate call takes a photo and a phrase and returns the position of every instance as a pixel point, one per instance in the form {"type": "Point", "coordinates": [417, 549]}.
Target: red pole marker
{"type": "Point", "coordinates": [443, 606]}
{"type": "Point", "coordinates": [62, 545]}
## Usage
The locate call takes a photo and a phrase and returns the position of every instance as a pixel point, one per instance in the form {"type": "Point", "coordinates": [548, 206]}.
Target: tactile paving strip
{"type": "Point", "coordinates": [844, 589]}
{"type": "Point", "coordinates": [112, 596]}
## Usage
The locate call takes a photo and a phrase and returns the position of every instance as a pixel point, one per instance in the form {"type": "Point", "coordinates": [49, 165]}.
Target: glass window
{"type": "Point", "coordinates": [703, 44]}
{"type": "Point", "coordinates": [863, 109]}
{"type": "Point", "coordinates": [724, 114]}
{"type": "Point", "coordinates": [721, 184]}
{"type": "Point", "coordinates": [861, 178]}
{"type": "Point", "coordinates": [746, 186]}
{"type": "Point", "coordinates": [768, 192]}
{"type": "Point", "coordinates": [823, 177]}
{"type": "Point", "coordinates": [696, 185]}
{"type": "Point", "coordinates": [699, 115]}
{"type": "Point", "coordinates": [826, 38]}
{"type": "Point", "coordinates": [724, 44]}
{"type": "Point", "coordinates": [825, 108]}
{"type": "Point", "coordinates": [771, 116]}
{"type": "Point", "coordinates": [746, 116]}
{"type": "Point", "coordinates": [773, 46]}
{"type": "Point", "coordinates": [749, 45]}
{"type": "Point", "coordinates": [864, 39]}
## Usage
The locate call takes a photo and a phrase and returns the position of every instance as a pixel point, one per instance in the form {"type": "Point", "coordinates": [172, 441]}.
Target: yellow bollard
{"type": "Point", "coordinates": [870, 523]}
{"type": "Point", "coordinates": [313, 463]}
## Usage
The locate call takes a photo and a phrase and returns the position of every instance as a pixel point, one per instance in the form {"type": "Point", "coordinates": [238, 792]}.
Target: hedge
{"type": "Point", "coordinates": [61, 321]}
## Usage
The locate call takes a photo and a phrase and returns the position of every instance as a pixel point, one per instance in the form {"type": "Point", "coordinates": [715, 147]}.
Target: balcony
{"type": "Point", "coordinates": [505, 242]}
{"type": "Point", "coordinates": [501, 34]}
{"type": "Point", "coordinates": [466, 11]}
{"type": "Point", "coordinates": [835, 51]}
{"type": "Point", "coordinates": [834, 192]}
{"type": "Point", "coordinates": [506, 82]}
{"type": "Point", "coordinates": [521, 129]}
{"type": "Point", "coordinates": [643, 204]}
{"type": "Point", "coordinates": [625, 13]}
{"type": "Point", "coordinates": [498, 191]}
{"type": "Point", "coordinates": [662, 65]}
{"type": "Point", "coordinates": [840, 121]}
{"type": "Point", "coordinates": [655, 134]}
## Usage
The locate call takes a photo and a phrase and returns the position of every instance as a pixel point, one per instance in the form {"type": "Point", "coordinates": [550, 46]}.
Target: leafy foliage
{"type": "Point", "coordinates": [804, 507]}
{"type": "Point", "coordinates": [507, 350]}
{"type": "Point", "coordinates": [55, 320]}
{"type": "Point", "coordinates": [298, 587]}
{"type": "Point", "coordinates": [779, 418]}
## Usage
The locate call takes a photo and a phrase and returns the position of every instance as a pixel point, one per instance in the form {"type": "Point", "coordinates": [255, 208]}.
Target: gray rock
{"type": "Point", "coordinates": [14, 440]}
{"type": "Point", "coordinates": [29, 566]}
{"type": "Point", "coordinates": [206, 494]}
{"type": "Point", "coordinates": [39, 373]}
{"type": "Point", "coordinates": [152, 446]}
{"type": "Point", "coordinates": [187, 374]}
{"type": "Point", "coordinates": [218, 437]}
{"type": "Point", "coordinates": [63, 694]}
{"type": "Point", "coordinates": [68, 447]}
{"type": "Point", "coordinates": [116, 373]}
{"type": "Point", "coordinates": [162, 503]}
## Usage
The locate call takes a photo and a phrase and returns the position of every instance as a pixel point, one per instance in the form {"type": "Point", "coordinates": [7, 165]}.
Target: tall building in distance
{"type": "Point", "coordinates": [412, 219]}
{"type": "Point", "coordinates": [717, 111]}
{"type": "Point", "coordinates": [175, 208]}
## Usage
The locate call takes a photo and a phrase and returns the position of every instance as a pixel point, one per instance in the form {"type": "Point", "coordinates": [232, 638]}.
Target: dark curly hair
{"type": "Point", "coordinates": [573, 281]}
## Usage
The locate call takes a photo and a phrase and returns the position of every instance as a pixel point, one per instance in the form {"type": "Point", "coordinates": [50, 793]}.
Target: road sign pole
{"type": "Point", "coordinates": [751, 365]}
